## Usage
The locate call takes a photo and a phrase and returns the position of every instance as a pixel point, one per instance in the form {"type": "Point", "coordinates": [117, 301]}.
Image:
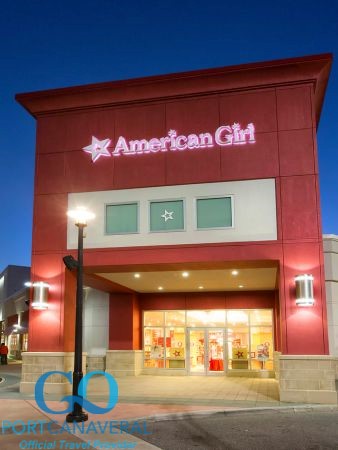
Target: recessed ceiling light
{"type": "Point", "coordinates": [234, 272]}
{"type": "Point", "coordinates": [241, 286]}
{"type": "Point", "coordinates": [200, 287]}
{"type": "Point", "coordinates": [137, 275]}
{"type": "Point", "coordinates": [160, 288]}
{"type": "Point", "coordinates": [185, 274]}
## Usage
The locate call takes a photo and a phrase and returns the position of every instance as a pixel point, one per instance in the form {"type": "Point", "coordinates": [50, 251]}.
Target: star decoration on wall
{"type": "Point", "coordinates": [239, 354]}
{"type": "Point", "coordinates": [177, 353]}
{"type": "Point", "coordinates": [168, 215]}
{"type": "Point", "coordinates": [98, 148]}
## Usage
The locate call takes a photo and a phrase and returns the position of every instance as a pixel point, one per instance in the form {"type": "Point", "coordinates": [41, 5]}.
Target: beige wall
{"type": "Point", "coordinates": [34, 364]}
{"type": "Point", "coordinates": [331, 281]}
{"type": "Point", "coordinates": [308, 379]}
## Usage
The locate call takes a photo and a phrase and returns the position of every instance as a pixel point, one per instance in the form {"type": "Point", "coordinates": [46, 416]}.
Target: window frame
{"type": "Point", "coordinates": [137, 203]}
{"type": "Point", "coordinates": [176, 230]}
{"type": "Point", "coordinates": [210, 197]}
{"type": "Point", "coordinates": [227, 358]}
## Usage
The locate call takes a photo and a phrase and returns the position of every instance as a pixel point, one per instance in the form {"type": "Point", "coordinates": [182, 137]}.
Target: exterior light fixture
{"type": "Point", "coordinates": [137, 275]}
{"type": "Point", "coordinates": [185, 274]}
{"type": "Point", "coordinates": [234, 272]}
{"type": "Point", "coordinates": [304, 290]}
{"type": "Point", "coordinates": [160, 288]}
{"type": "Point", "coordinates": [70, 262]}
{"type": "Point", "coordinates": [40, 294]}
{"type": "Point", "coordinates": [80, 216]}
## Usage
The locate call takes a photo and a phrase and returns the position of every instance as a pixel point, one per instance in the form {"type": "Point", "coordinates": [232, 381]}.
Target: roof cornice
{"type": "Point", "coordinates": [309, 69]}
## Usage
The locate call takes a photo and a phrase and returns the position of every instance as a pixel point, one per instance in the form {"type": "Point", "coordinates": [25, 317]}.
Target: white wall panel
{"type": "Point", "coordinates": [95, 322]}
{"type": "Point", "coordinates": [254, 210]}
{"type": "Point", "coordinates": [331, 276]}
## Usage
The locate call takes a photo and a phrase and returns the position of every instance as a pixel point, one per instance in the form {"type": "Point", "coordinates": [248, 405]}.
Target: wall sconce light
{"type": "Point", "coordinates": [40, 294]}
{"type": "Point", "coordinates": [304, 290]}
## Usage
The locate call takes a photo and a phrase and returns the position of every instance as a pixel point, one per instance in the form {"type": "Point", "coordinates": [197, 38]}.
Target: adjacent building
{"type": "Point", "coordinates": [14, 309]}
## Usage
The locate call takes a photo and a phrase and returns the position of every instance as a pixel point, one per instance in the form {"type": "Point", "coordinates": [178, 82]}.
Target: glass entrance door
{"type": "Point", "coordinates": [196, 351]}
{"type": "Point", "coordinates": [215, 339]}
{"type": "Point", "coordinates": [206, 350]}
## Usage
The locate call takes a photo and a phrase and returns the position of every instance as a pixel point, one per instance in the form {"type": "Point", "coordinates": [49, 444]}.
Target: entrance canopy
{"type": "Point", "coordinates": [234, 276]}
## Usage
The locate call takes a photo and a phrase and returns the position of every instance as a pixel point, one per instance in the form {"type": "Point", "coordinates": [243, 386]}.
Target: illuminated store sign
{"type": "Point", "coordinates": [225, 135]}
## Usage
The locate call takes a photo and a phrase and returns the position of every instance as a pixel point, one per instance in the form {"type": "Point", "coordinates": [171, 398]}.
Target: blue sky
{"type": "Point", "coordinates": [49, 44]}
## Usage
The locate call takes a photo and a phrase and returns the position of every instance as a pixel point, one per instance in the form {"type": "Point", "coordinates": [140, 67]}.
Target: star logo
{"type": "Point", "coordinates": [172, 133]}
{"type": "Point", "coordinates": [98, 148]}
{"type": "Point", "coordinates": [167, 215]}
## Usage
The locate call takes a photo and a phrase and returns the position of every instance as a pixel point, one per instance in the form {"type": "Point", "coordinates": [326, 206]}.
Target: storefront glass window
{"type": "Point", "coordinates": [261, 347]}
{"type": "Point", "coordinates": [237, 318]}
{"type": "Point", "coordinates": [174, 318]}
{"type": "Point", "coordinates": [213, 318]}
{"type": "Point", "coordinates": [122, 218]}
{"type": "Point", "coordinates": [216, 318]}
{"type": "Point", "coordinates": [2, 329]}
{"type": "Point", "coordinates": [154, 347]}
{"type": "Point", "coordinates": [25, 342]}
{"type": "Point", "coordinates": [261, 317]}
{"type": "Point", "coordinates": [236, 339]}
{"type": "Point", "coordinates": [175, 348]}
{"type": "Point", "coordinates": [153, 318]}
{"type": "Point", "coordinates": [214, 212]}
{"type": "Point", "coordinates": [13, 342]}
{"type": "Point", "coordinates": [167, 215]}
{"type": "Point", "coordinates": [238, 348]}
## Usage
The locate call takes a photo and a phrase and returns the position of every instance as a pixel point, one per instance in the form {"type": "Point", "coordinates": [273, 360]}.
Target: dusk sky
{"type": "Point", "coordinates": [48, 44]}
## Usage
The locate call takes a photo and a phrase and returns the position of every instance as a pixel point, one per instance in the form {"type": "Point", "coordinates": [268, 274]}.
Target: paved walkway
{"type": "Point", "coordinates": [169, 390]}
{"type": "Point", "coordinates": [140, 397]}
{"type": "Point", "coordinates": [193, 390]}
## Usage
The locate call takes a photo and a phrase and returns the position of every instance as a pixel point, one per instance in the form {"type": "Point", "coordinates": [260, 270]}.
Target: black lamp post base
{"type": "Point", "coordinates": [81, 416]}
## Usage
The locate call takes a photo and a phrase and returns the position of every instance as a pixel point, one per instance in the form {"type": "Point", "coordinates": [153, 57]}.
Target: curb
{"type": "Point", "coordinates": [207, 413]}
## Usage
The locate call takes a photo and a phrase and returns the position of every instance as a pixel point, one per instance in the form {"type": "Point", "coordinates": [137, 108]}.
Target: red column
{"type": "Point", "coordinates": [124, 322]}
{"type": "Point", "coordinates": [304, 329]}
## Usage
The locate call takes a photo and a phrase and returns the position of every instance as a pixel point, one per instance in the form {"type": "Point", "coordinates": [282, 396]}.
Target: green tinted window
{"type": "Point", "coordinates": [122, 218]}
{"type": "Point", "coordinates": [166, 215]}
{"type": "Point", "coordinates": [214, 212]}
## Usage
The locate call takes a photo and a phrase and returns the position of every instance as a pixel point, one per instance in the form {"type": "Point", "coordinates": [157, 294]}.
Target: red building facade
{"type": "Point", "coordinates": [244, 133]}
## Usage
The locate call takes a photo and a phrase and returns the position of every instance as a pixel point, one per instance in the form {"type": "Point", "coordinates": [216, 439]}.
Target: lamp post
{"type": "Point", "coordinates": [81, 215]}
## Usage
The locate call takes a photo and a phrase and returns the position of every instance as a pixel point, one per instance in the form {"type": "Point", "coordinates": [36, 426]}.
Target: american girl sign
{"type": "Point", "coordinates": [225, 135]}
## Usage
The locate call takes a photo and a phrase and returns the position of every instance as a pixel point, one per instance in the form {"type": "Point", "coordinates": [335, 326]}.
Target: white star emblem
{"type": "Point", "coordinates": [167, 215]}
{"type": "Point", "coordinates": [98, 148]}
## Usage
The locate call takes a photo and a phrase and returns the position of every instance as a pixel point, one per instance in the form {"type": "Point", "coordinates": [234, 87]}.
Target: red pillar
{"type": "Point", "coordinates": [124, 322]}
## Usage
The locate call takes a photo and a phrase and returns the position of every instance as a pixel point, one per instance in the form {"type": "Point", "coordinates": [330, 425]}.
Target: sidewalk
{"type": "Point", "coordinates": [169, 390]}
{"type": "Point", "coordinates": [151, 397]}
